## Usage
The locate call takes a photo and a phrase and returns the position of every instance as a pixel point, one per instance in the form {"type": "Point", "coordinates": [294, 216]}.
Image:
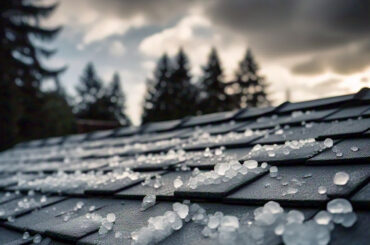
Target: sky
{"type": "Point", "coordinates": [314, 48]}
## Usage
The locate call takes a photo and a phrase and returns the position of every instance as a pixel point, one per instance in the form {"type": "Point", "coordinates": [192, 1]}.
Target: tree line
{"type": "Point", "coordinates": [28, 112]}
{"type": "Point", "coordinates": [171, 94]}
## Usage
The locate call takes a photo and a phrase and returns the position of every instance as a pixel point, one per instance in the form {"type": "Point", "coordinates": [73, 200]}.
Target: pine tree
{"type": "Point", "coordinates": [21, 71]}
{"type": "Point", "coordinates": [117, 101]}
{"type": "Point", "coordinates": [214, 98]}
{"type": "Point", "coordinates": [90, 91]}
{"type": "Point", "coordinates": [155, 100]}
{"type": "Point", "coordinates": [182, 97]}
{"type": "Point", "coordinates": [250, 86]}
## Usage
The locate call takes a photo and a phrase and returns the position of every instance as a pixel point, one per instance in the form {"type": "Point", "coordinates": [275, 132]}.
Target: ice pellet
{"type": "Point", "coordinates": [323, 218]}
{"type": "Point", "coordinates": [354, 148]}
{"type": "Point", "coordinates": [182, 210]}
{"type": "Point", "coordinates": [295, 216]}
{"type": "Point", "coordinates": [279, 229]}
{"type": "Point", "coordinates": [273, 171]}
{"type": "Point", "coordinates": [251, 164]}
{"type": "Point", "coordinates": [322, 190]}
{"type": "Point", "coordinates": [26, 235]}
{"type": "Point", "coordinates": [177, 183]}
{"type": "Point", "coordinates": [111, 217]}
{"type": "Point", "coordinates": [339, 206]}
{"type": "Point", "coordinates": [328, 143]}
{"type": "Point", "coordinates": [37, 239]}
{"type": "Point", "coordinates": [341, 178]}
{"type": "Point", "coordinates": [148, 201]}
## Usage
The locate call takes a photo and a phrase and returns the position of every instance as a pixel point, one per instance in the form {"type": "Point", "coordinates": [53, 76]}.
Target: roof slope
{"type": "Point", "coordinates": [297, 173]}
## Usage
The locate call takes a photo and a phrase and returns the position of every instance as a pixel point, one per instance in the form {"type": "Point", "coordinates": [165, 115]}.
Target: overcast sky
{"type": "Point", "coordinates": [315, 48]}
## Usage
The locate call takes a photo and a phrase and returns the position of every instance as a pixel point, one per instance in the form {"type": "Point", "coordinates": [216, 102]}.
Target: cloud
{"type": "Point", "coordinates": [116, 48]}
{"type": "Point", "coordinates": [294, 26]}
{"type": "Point", "coordinates": [196, 35]}
{"type": "Point", "coordinates": [348, 60]}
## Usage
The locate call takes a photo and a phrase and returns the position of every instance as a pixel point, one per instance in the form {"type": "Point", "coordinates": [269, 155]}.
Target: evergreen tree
{"type": "Point", "coordinates": [157, 93]}
{"type": "Point", "coordinates": [214, 98]}
{"type": "Point", "coordinates": [90, 91]}
{"type": "Point", "coordinates": [182, 97]}
{"type": "Point", "coordinates": [21, 72]}
{"type": "Point", "coordinates": [249, 85]}
{"type": "Point", "coordinates": [117, 101]}
{"type": "Point", "coordinates": [99, 103]}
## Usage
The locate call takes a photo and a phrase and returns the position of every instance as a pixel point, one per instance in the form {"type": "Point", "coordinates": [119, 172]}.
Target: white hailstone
{"type": "Point", "coordinates": [271, 154]}
{"type": "Point", "coordinates": [91, 208]}
{"type": "Point", "coordinates": [218, 152]}
{"type": "Point", "coordinates": [214, 221]}
{"type": "Point", "coordinates": [349, 219]}
{"type": "Point", "coordinates": [272, 207]}
{"type": "Point", "coordinates": [339, 154]}
{"type": "Point", "coordinates": [251, 164]}
{"type": "Point", "coordinates": [273, 171]}
{"type": "Point", "coordinates": [177, 183]}
{"type": "Point", "coordinates": [323, 218]}
{"type": "Point", "coordinates": [267, 185]}
{"type": "Point", "coordinates": [26, 235]}
{"type": "Point", "coordinates": [221, 168]}
{"type": "Point", "coordinates": [295, 216]}
{"type": "Point", "coordinates": [177, 223]}
{"type": "Point", "coordinates": [322, 190]}
{"type": "Point", "coordinates": [79, 205]}
{"type": "Point", "coordinates": [2, 212]}
{"type": "Point", "coordinates": [354, 148]}
{"type": "Point", "coordinates": [328, 143]}
{"type": "Point", "coordinates": [279, 229]}
{"type": "Point", "coordinates": [264, 165]}
{"type": "Point", "coordinates": [182, 210]}
{"type": "Point", "coordinates": [280, 131]}
{"type": "Point", "coordinates": [339, 206]}
{"type": "Point", "coordinates": [11, 219]}
{"type": "Point", "coordinates": [148, 201]}
{"type": "Point", "coordinates": [229, 222]}
{"type": "Point", "coordinates": [103, 230]}
{"type": "Point", "coordinates": [111, 217]}
{"type": "Point", "coordinates": [43, 199]}
{"type": "Point", "coordinates": [292, 190]}
{"type": "Point", "coordinates": [37, 239]}
{"type": "Point", "coordinates": [31, 192]}
{"type": "Point", "coordinates": [243, 170]}
{"type": "Point", "coordinates": [341, 178]}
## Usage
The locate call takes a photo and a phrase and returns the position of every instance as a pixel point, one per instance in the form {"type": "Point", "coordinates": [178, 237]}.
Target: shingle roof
{"type": "Point", "coordinates": [67, 189]}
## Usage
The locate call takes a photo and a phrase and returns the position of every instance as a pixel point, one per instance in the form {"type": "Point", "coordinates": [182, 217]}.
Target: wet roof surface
{"type": "Point", "coordinates": [123, 186]}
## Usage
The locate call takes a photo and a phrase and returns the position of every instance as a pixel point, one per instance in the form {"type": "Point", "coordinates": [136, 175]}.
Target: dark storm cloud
{"type": "Point", "coordinates": [280, 27]}
{"type": "Point", "coordinates": [157, 11]}
{"type": "Point", "coordinates": [291, 27]}
{"type": "Point", "coordinates": [275, 28]}
{"type": "Point", "coordinates": [344, 61]}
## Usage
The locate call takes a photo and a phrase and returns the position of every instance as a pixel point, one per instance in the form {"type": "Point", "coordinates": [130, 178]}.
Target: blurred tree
{"type": "Point", "coordinates": [60, 118]}
{"type": "Point", "coordinates": [213, 96]}
{"type": "Point", "coordinates": [116, 101]}
{"type": "Point", "coordinates": [90, 90]}
{"type": "Point", "coordinates": [21, 72]}
{"type": "Point", "coordinates": [157, 93]}
{"type": "Point", "coordinates": [249, 87]}
{"type": "Point", "coordinates": [182, 93]}
{"type": "Point", "coordinates": [99, 103]}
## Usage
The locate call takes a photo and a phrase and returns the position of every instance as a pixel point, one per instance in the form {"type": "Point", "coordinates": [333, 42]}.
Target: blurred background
{"type": "Point", "coordinates": [75, 66]}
